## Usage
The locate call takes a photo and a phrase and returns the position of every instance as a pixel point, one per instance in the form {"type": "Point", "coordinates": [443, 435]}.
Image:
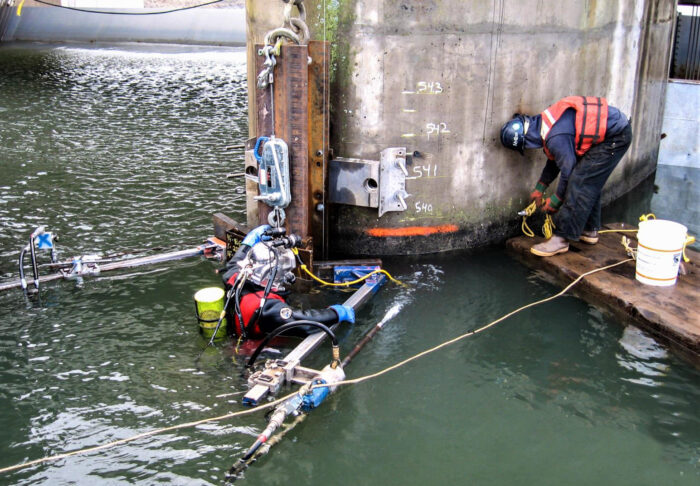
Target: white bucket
{"type": "Point", "coordinates": [659, 251]}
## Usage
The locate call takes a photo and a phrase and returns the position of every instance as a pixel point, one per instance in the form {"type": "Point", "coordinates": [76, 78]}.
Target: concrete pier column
{"type": "Point", "coordinates": [440, 77]}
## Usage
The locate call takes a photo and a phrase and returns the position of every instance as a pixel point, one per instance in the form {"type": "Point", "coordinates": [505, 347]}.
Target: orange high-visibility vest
{"type": "Point", "coordinates": [591, 121]}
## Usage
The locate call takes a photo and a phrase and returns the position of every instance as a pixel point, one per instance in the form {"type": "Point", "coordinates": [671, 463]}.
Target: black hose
{"type": "Point", "coordinates": [271, 277]}
{"type": "Point", "coordinates": [221, 319]}
{"type": "Point", "coordinates": [35, 270]}
{"type": "Point", "coordinates": [287, 327]}
{"type": "Point", "coordinates": [21, 268]}
{"type": "Point", "coordinates": [237, 309]}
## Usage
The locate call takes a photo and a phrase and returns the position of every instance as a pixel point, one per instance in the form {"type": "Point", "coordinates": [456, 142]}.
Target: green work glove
{"type": "Point", "coordinates": [552, 204]}
{"type": "Point", "coordinates": [537, 194]}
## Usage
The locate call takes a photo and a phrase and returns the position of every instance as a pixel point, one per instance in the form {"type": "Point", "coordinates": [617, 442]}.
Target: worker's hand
{"type": "Point", "coordinates": [345, 313]}
{"type": "Point", "coordinates": [537, 194]}
{"type": "Point", "coordinates": [255, 235]}
{"type": "Point", "coordinates": [552, 204]}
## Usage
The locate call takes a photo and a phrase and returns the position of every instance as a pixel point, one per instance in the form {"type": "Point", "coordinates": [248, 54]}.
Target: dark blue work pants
{"type": "Point", "coordinates": [581, 208]}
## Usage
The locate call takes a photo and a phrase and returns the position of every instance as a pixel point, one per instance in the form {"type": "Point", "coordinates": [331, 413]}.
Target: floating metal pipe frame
{"type": "Point", "coordinates": [293, 359]}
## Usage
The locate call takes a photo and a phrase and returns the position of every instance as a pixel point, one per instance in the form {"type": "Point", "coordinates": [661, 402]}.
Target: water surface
{"type": "Point", "coordinates": [117, 148]}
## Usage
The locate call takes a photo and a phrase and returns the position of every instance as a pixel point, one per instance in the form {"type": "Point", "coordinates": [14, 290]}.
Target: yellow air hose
{"type": "Point", "coordinates": [346, 284]}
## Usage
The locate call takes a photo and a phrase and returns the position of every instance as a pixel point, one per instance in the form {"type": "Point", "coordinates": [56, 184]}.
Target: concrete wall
{"type": "Point", "coordinates": [440, 77]}
{"type": "Point", "coordinates": [681, 125]}
{"type": "Point", "coordinates": [195, 26]}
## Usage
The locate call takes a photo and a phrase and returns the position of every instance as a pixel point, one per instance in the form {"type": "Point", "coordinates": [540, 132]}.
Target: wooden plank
{"type": "Point", "coordinates": [669, 313]}
{"type": "Point", "coordinates": [289, 113]}
{"type": "Point", "coordinates": [291, 125]}
{"type": "Point", "coordinates": [224, 223]}
{"type": "Point", "coordinates": [319, 79]}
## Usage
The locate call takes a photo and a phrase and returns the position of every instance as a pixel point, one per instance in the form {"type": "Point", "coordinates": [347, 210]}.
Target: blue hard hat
{"type": "Point", "coordinates": [513, 133]}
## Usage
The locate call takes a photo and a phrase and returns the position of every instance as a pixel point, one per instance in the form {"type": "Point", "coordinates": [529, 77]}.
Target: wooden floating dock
{"type": "Point", "coordinates": [668, 313]}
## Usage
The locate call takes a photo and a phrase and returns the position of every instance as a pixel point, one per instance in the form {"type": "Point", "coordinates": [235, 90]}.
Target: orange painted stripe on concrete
{"type": "Point", "coordinates": [412, 230]}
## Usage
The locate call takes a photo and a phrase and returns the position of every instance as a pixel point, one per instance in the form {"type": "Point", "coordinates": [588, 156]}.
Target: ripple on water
{"type": "Point", "coordinates": [123, 149]}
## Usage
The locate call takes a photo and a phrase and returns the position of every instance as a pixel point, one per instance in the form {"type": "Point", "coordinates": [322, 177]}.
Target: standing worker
{"type": "Point", "coordinates": [584, 138]}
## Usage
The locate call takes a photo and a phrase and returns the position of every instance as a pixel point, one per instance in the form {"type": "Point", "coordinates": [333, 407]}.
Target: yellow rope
{"type": "Point", "coordinates": [145, 434]}
{"type": "Point", "coordinates": [643, 217]}
{"type": "Point", "coordinates": [238, 343]}
{"type": "Point", "coordinates": [528, 212]}
{"type": "Point", "coordinates": [689, 240]}
{"type": "Point", "coordinates": [346, 284]}
{"type": "Point", "coordinates": [630, 251]}
{"type": "Point", "coordinates": [547, 228]}
{"type": "Point", "coordinates": [618, 231]}
{"type": "Point", "coordinates": [475, 331]}
{"type": "Point", "coordinates": [280, 400]}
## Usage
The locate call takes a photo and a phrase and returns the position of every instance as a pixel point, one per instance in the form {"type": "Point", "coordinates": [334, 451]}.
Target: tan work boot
{"type": "Point", "coordinates": [590, 237]}
{"type": "Point", "coordinates": [554, 245]}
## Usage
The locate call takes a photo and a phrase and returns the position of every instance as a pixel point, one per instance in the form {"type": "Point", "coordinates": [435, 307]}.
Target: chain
{"type": "Point", "coordinates": [296, 24]}
{"type": "Point", "coordinates": [293, 29]}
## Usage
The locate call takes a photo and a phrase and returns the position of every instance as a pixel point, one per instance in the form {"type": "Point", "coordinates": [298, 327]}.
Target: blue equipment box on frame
{"type": "Point", "coordinates": [349, 273]}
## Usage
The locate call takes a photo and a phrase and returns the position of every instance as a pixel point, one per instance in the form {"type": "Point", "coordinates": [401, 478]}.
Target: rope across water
{"type": "Point", "coordinates": [280, 400]}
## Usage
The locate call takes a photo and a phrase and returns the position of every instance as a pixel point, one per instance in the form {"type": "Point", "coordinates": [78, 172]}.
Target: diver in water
{"type": "Point", "coordinates": [260, 274]}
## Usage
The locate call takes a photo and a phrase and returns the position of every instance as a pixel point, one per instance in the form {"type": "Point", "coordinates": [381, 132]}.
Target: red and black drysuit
{"type": "Point", "coordinates": [274, 313]}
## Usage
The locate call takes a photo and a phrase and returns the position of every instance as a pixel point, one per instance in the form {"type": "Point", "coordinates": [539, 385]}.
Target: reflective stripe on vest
{"type": "Point", "coordinates": [591, 121]}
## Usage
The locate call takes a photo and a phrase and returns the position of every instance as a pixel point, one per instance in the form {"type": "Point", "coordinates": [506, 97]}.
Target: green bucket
{"type": "Point", "coordinates": [209, 303]}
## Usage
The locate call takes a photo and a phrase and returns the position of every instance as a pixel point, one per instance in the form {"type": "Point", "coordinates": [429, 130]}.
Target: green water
{"type": "Point", "coordinates": [123, 147]}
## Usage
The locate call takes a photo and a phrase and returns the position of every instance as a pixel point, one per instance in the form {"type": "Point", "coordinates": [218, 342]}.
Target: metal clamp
{"type": "Point", "coordinates": [265, 78]}
{"type": "Point", "coordinates": [370, 183]}
{"type": "Point", "coordinates": [392, 186]}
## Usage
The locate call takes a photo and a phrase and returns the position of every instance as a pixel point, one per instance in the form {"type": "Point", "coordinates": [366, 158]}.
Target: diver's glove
{"type": "Point", "coordinates": [255, 235]}
{"type": "Point", "coordinates": [344, 312]}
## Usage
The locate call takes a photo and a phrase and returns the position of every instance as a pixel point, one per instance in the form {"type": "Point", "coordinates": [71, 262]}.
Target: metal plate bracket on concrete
{"type": "Point", "coordinates": [354, 182]}
{"type": "Point", "coordinates": [370, 183]}
{"type": "Point", "coordinates": [392, 180]}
